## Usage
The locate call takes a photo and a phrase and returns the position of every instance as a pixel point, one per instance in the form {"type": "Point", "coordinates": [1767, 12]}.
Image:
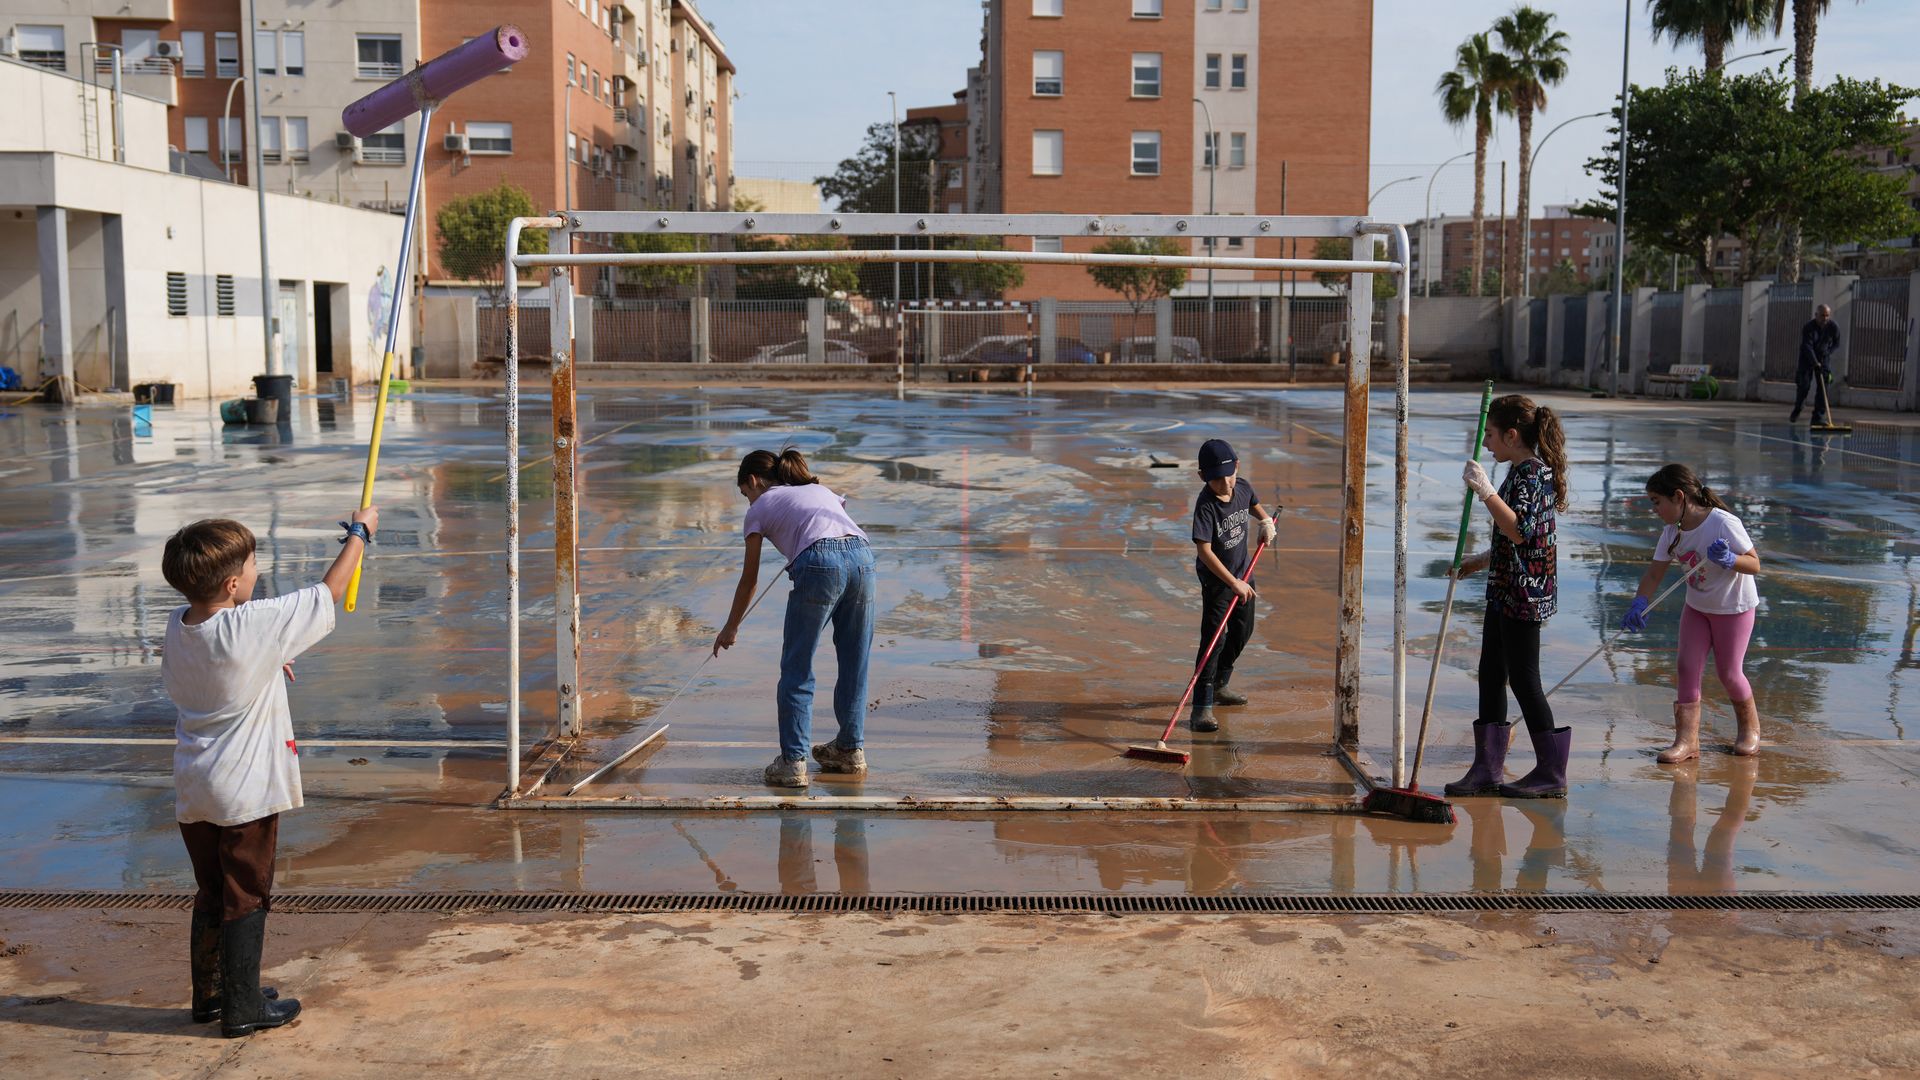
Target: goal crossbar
{"type": "Point", "coordinates": [560, 258]}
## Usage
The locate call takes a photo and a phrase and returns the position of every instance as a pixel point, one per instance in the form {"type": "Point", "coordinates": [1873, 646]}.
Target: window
{"type": "Point", "coordinates": [297, 138]}
{"type": "Point", "coordinates": [956, 177]}
{"type": "Point", "coordinates": [1237, 150]}
{"type": "Point", "coordinates": [1146, 74]}
{"type": "Point", "coordinates": [606, 91]}
{"type": "Point", "coordinates": [293, 52]}
{"type": "Point", "coordinates": [1047, 243]}
{"type": "Point", "coordinates": [1146, 153]}
{"type": "Point", "coordinates": [379, 56]}
{"type": "Point", "coordinates": [573, 147]}
{"type": "Point", "coordinates": [1146, 9]}
{"type": "Point", "coordinates": [223, 294]}
{"type": "Point", "coordinates": [1207, 142]}
{"type": "Point", "coordinates": [42, 45]}
{"type": "Point", "coordinates": [570, 79]}
{"type": "Point", "coordinates": [388, 146]}
{"type": "Point", "coordinates": [193, 43]}
{"type": "Point", "coordinates": [1235, 241]}
{"type": "Point", "coordinates": [1049, 72]}
{"type": "Point", "coordinates": [266, 52]}
{"type": "Point", "coordinates": [489, 137]}
{"type": "Point", "coordinates": [1048, 9]}
{"type": "Point", "coordinates": [196, 135]}
{"type": "Point", "coordinates": [1213, 5]}
{"type": "Point", "coordinates": [1239, 5]}
{"type": "Point", "coordinates": [226, 55]}
{"type": "Point", "coordinates": [1049, 153]}
{"type": "Point", "coordinates": [230, 144]}
{"type": "Point", "coordinates": [1237, 78]}
{"type": "Point", "coordinates": [176, 294]}
{"type": "Point", "coordinates": [270, 138]}
{"type": "Point", "coordinates": [1212, 79]}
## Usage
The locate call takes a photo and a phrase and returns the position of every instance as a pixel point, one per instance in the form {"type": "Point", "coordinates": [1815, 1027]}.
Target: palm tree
{"type": "Point", "coordinates": [1536, 58]}
{"type": "Point", "coordinates": [1477, 88]}
{"type": "Point", "coordinates": [1806, 24]}
{"type": "Point", "coordinates": [1713, 23]}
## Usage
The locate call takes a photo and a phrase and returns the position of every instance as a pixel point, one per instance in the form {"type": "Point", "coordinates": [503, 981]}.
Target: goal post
{"type": "Point", "coordinates": [561, 260]}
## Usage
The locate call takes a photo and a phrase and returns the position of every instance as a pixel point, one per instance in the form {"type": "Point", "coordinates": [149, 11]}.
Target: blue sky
{"type": "Point", "coordinates": [814, 73]}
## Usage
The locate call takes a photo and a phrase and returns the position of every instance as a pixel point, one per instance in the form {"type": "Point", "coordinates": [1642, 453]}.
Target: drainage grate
{"type": "Point", "coordinates": [982, 903]}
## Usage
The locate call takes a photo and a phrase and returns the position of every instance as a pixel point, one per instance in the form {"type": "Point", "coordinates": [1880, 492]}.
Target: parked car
{"type": "Point", "coordinates": [993, 349]}
{"type": "Point", "coordinates": [838, 351]}
{"type": "Point", "coordinates": [1140, 350]}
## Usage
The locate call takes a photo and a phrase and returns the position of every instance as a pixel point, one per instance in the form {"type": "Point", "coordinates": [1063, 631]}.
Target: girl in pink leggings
{"type": "Point", "coordinates": [1720, 562]}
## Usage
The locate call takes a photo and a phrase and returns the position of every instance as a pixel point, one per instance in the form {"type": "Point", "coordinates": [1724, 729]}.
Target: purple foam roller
{"type": "Point", "coordinates": [435, 80]}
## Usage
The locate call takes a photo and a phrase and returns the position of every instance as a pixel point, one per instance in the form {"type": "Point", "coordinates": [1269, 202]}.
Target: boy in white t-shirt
{"type": "Point", "coordinates": [1713, 550]}
{"type": "Point", "coordinates": [236, 765]}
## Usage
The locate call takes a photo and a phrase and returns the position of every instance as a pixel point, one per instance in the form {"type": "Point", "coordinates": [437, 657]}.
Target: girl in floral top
{"type": "Point", "coordinates": [1522, 590]}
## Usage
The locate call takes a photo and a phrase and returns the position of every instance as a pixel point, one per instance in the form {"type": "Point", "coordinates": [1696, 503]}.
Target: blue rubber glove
{"type": "Point", "coordinates": [1718, 552]}
{"type": "Point", "coordinates": [1636, 617]}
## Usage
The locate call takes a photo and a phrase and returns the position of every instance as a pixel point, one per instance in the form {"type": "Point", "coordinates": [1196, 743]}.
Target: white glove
{"type": "Point", "coordinates": [1477, 479]}
{"type": "Point", "coordinates": [1268, 530]}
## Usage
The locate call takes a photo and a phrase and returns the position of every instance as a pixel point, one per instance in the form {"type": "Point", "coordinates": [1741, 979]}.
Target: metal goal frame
{"type": "Point", "coordinates": [560, 261]}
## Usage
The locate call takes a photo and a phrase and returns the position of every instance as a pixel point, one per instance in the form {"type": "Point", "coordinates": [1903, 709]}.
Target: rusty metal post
{"type": "Point", "coordinates": [1353, 509]}
{"type": "Point", "coordinates": [513, 508]}
{"type": "Point", "coordinates": [1403, 355]}
{"type": "Point", "coordinates": [566, 504]}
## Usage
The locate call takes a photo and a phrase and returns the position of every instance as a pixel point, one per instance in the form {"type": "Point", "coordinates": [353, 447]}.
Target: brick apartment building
{"type": "Point", "coordinates": [1558, 236]}
{"type": "Point", "coordinates": [948, 175]}
{"type": "Point", "coordinates": [627, 105]}
{"type": "Point", "coordinates": [1087, 106]}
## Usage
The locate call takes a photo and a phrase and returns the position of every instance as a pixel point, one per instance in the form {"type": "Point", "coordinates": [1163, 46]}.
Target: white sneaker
{"type": "Point", "coordinates": [832, 759]}
{"type": "Point", "coordinates": [784, 773]}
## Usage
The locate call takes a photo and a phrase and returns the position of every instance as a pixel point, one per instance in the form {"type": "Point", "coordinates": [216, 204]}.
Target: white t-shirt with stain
{"type": "Point", "coordinates": [234, 758]}
{"type": "Point", "coordinates": [1710, 588]}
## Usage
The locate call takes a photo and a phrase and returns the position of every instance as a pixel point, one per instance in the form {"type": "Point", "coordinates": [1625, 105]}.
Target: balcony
{"type": "Point", "coordinates": [377, 69]}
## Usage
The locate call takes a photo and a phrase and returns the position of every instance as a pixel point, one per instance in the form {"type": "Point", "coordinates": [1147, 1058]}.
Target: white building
{"type": "Point", "coordinates": [117, 273]}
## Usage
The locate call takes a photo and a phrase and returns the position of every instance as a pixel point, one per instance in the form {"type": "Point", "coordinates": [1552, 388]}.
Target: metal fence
{"type": "Point", "coordinates": [1573, 332]}
{"type": "Point", "coordinates": [1230, 333]}
{"type": "Point", "coordinates": [491, 331]}
{"type": "Point", "coordinates": [1663, 349]}
{"type": "Point", "coordinates": [1788, 309]}
{"type": "Point", "coordinates": [1537, 332]}
{"type": "Point", "coordinates": [1720, 344]}
{"type": "Point", "coordinates": [1877, 349]}
{"type": "Point", "coordinates": [640, 331]}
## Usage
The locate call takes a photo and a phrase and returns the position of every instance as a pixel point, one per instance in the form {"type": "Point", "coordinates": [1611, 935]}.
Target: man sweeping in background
{"type": "Point", "coordinates": [1818, 339]}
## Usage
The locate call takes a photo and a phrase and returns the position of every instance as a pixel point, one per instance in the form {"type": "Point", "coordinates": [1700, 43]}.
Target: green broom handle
{"type": "Point", "coordinates": [1466, 506]}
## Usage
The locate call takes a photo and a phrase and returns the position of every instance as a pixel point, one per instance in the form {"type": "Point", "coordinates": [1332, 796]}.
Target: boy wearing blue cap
{"type": "Point", "coordinates": [1221, 515]}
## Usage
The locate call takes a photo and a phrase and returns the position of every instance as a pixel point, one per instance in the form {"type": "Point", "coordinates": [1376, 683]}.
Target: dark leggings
{"type": "Point", "coordinates": [1510, 657]}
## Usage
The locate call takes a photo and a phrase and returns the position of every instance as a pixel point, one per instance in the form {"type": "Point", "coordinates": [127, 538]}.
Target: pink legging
{"type": "Point", "coordinates": [1726, 636]}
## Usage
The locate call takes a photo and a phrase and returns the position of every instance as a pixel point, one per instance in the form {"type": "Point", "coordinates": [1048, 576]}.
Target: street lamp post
{"type": "Point", "coordinates": [894, 102]}
{"type": "Point", "coordinates": [1213, 169]}
{"type": "Point", "coordinates": [1385, 186]}
{"type": "Point", "coordinates": [1527, 183]}
{"type": "Point", "coordinates": [1426, 228]}
{"type": "Point", "coordinates": [226, 122]}
{"type": "Point", "coordinates": [1748, 56]}
{"type": "Point", "coordinates": [268, 314]}
{"type": "Point", "coordinates": [1620, 215]}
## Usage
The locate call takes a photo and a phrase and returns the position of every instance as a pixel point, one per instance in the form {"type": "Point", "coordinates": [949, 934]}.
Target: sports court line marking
{"type": "Point", "coordinates": [109, 740]}
{"type": "Point", "coordinates": [497, 477]}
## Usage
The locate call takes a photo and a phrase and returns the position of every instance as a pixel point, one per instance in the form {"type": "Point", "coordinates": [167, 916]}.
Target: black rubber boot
{"type": "Point", "coordinates": [244, 1008]}
{"type": "Point", "coordinates": [1224, 696]}
{"type": "Point", "coordinates": [204, 947]}
{"type": "Point", "coordinates": [1202, 719]}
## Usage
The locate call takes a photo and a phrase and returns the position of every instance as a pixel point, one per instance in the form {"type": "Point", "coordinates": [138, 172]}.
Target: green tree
{"type": "Point", "coordinates": [979, 280]}
{"type": "Point", "coordinates": [1713, 23]}
{"type": "Point", "coordinates": [1563, 278]}
{"type": "Point", "coordinates": [794, 281]}
{"type": "Point", "coordinates": [1476, 88]}
{"type": "Point", "coordinates": [1806, 27]}
{"type": "Point", "coordinates": [1715, 155]}
{"type": "Point", "coordinates": [1536, 58]}
{"type": "Point", "coordinates": [473, 236]}
{"type": "Point", "coordinates": [1462, 284]}
{"type": "Point", "coordinates": [654, 280]}
{"type": "Point", "coordinates": [1328, 247]}
{"type": "Point", "coordinates": [864, 184]}
{"type": "Point", "coordinates": [1140, 285]}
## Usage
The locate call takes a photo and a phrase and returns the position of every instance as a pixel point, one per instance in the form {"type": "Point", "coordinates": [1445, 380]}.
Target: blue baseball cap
{"type": "Point", "coordinates": [1217, 459]}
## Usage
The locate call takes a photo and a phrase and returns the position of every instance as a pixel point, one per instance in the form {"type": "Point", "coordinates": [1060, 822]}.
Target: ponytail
{"type": "Point", "coordinates": [1540, 428]}
{"type": "Point", "coordinates": [1678, 480]}
{"type": "Point", "coordinates": [788, 468]}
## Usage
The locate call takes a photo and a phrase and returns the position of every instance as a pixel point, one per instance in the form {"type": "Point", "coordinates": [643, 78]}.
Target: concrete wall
{"type": "Point", "coordinates": [48, 111]}
{"type": "Point", "coordinates": [201, 229]}
{"type": "Point", "coordinates": [1462, 330]}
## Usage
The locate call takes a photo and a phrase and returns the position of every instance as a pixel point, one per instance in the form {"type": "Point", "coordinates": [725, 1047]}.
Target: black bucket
{"type": "Point", "coordinates": [262, 410]}
{"type": "Point", "coordinates": [153, 393]}
{"type": "Point", "coordinates": [280, 389]}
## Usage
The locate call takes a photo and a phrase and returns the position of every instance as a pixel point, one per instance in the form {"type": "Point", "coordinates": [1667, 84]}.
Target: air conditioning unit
{"type": "Point", "coordinates": [344, 140]}
{"type": "Point", "coordinates": [169, 50]}
{"type": "Point", "coordinates": [455, 142]}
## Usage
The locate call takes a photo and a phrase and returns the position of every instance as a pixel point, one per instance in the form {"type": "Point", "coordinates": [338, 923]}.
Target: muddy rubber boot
{"type": "Point", "coordinates": [1548, 780]}
{"type": "Point", "coordinates": [1202, 719]}
{"type": "Point", "coordinates": [1489, 761]}
{"type": "Point", "coordinates": [1747, 742]}
{"type": "Point", "coordinates": [1686, 734]}
{"type": "Point", "coordinates": [1224, 696]}
{"type": "Point", "coordinates": [243, 1008]}
{"type": "Point", "coordinates": [204, 949]}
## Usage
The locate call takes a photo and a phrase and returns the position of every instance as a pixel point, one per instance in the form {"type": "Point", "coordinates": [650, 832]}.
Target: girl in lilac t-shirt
{"type": "Point", "coordinates": [831, 565]}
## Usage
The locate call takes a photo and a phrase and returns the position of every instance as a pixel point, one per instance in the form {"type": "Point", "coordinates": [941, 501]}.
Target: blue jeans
{"type": "Point", "coordinates": [832, 582]}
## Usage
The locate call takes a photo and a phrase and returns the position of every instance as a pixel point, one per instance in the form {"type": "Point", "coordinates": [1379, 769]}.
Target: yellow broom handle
{"type": "Point", "coordinates": [373, 462]}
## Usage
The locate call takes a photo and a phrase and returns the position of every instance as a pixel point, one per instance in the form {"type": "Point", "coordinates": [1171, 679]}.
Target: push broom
{"type": "Point", "coordinates": [1410, 802]}
{"type": "Point", "coordinates": [1160, 751]}
{"type": "Point", "coordinates": [1826, 412]}
{"type": "Point", "coordinates": [420, 90]}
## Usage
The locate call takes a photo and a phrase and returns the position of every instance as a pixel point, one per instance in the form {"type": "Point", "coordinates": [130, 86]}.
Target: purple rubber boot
{"type": "Point", "coordinates": [1489, 761]}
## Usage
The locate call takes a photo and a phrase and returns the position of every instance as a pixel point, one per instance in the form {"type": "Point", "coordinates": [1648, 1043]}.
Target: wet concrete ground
{"type": "Point", "coordinates": [1037, 614]}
